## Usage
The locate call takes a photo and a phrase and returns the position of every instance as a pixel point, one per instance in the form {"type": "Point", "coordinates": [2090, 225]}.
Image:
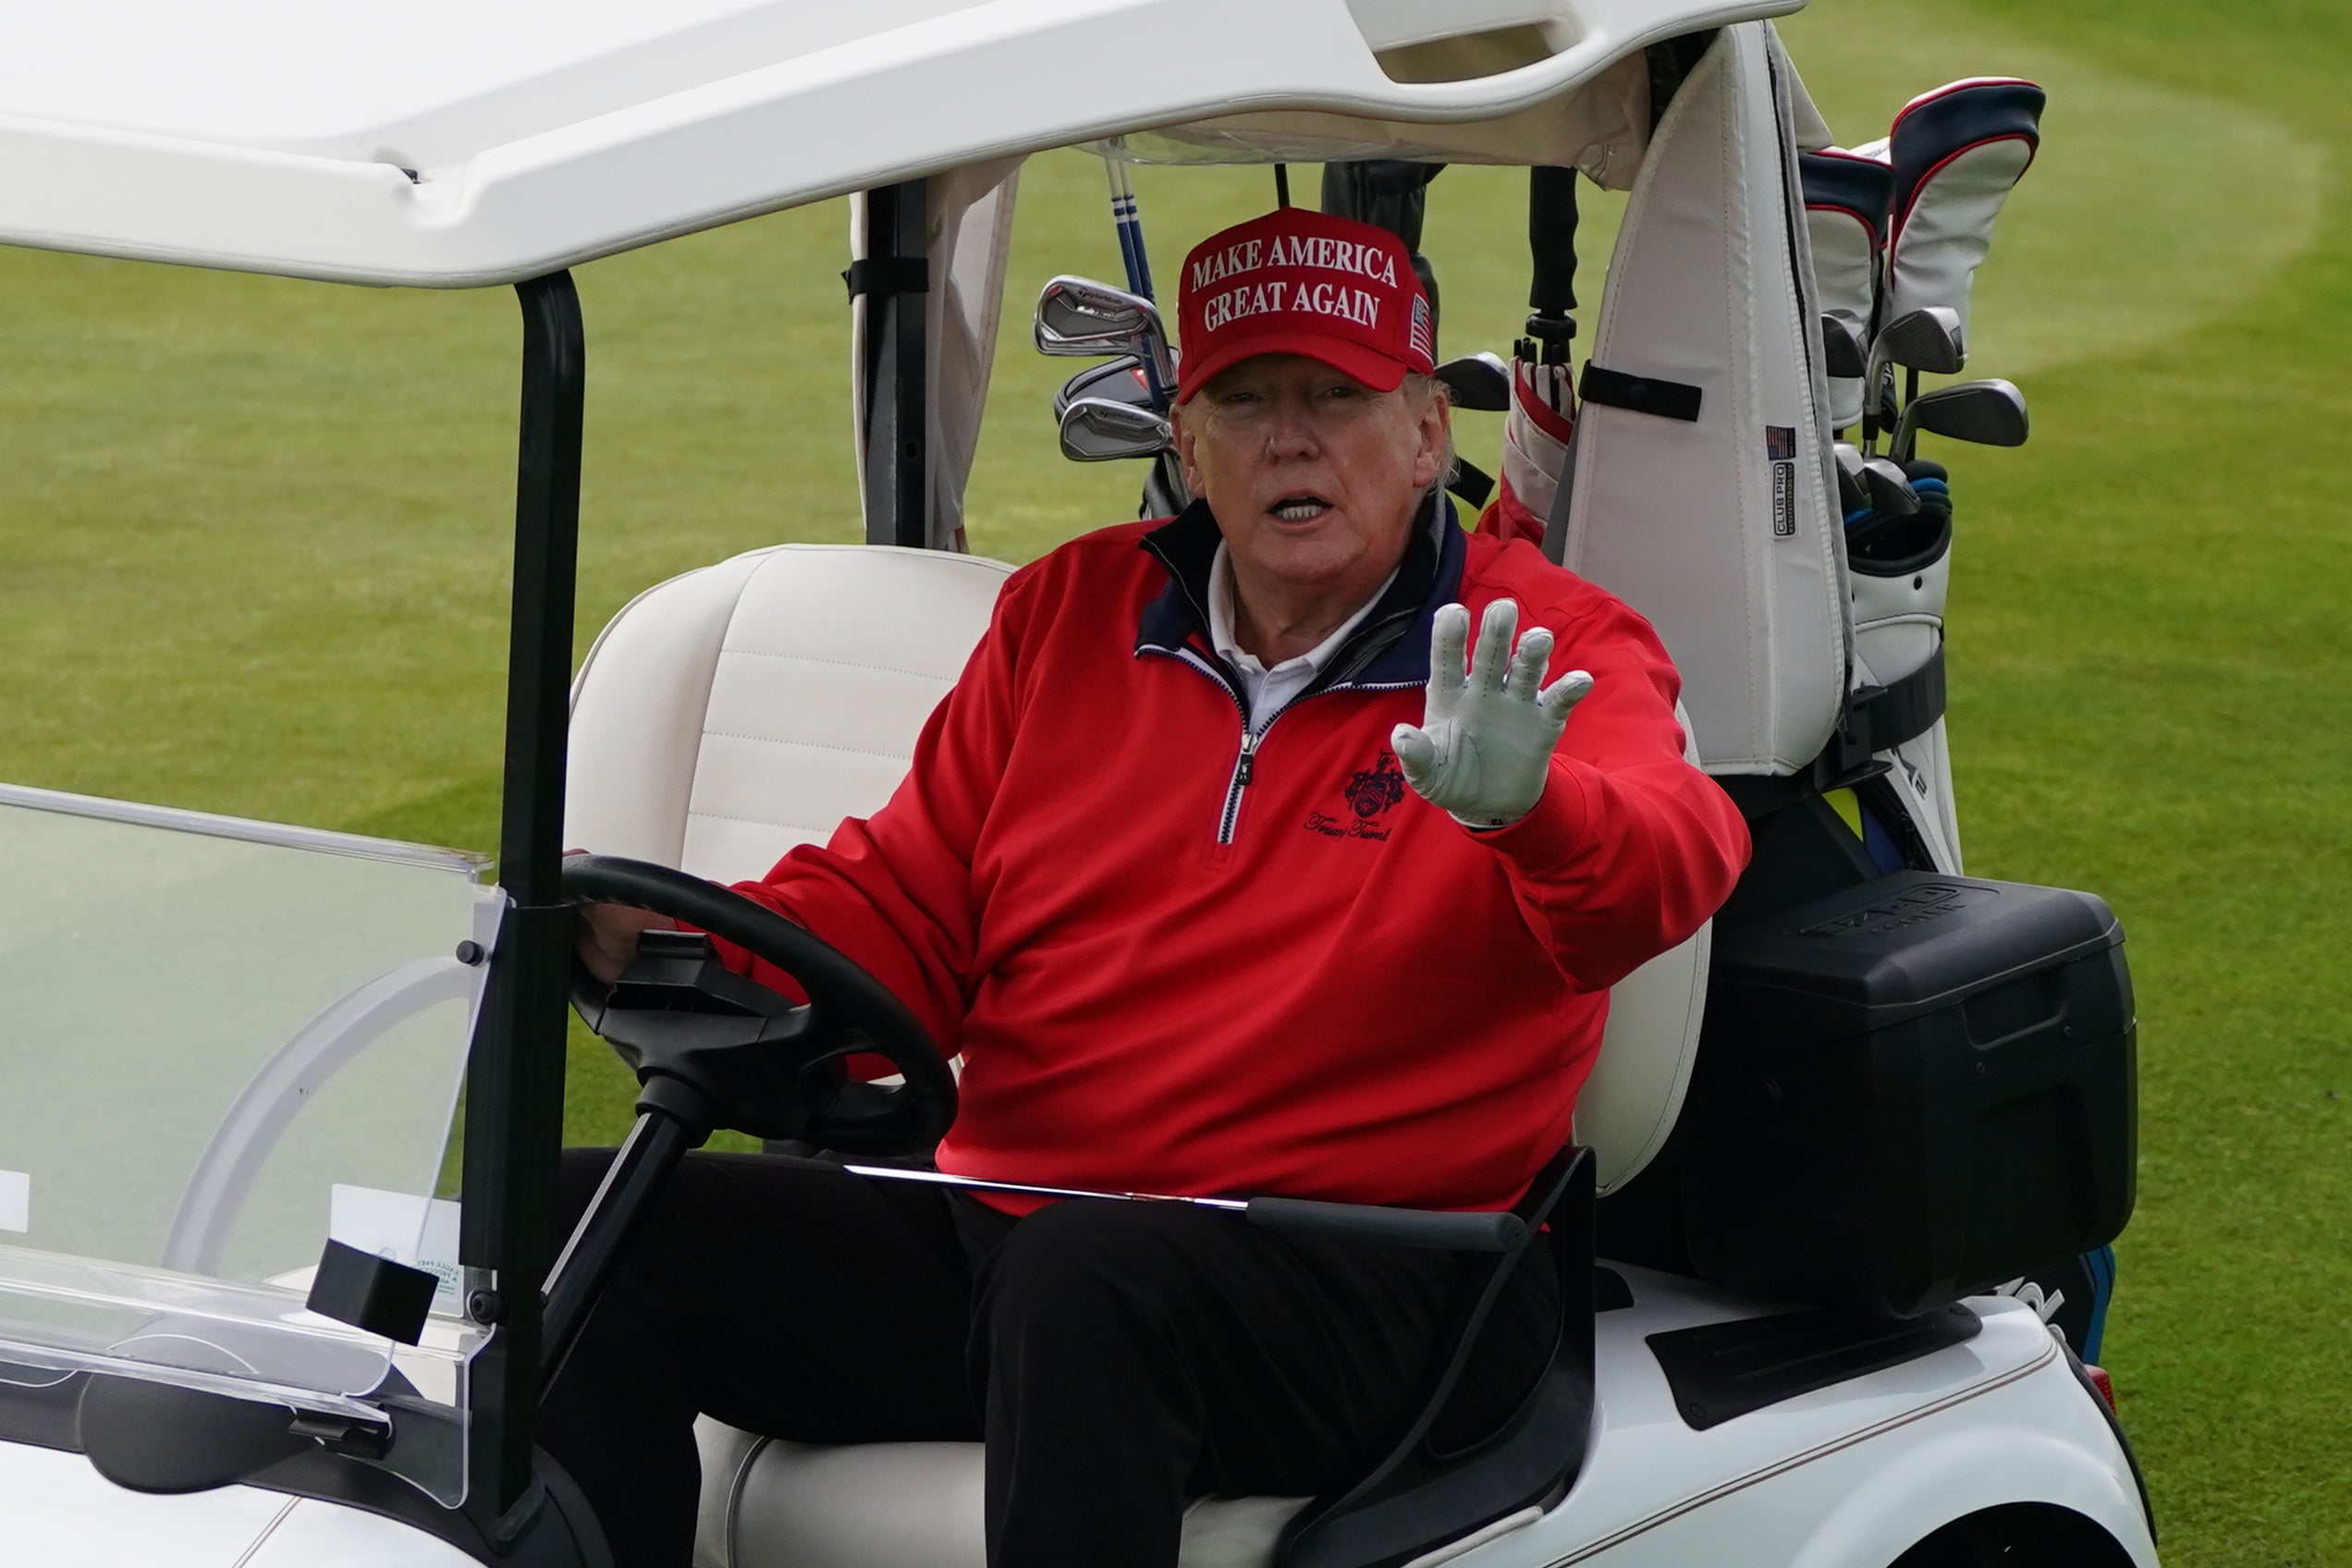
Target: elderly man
{"type": "Point", "coordinates": [1224, 877]}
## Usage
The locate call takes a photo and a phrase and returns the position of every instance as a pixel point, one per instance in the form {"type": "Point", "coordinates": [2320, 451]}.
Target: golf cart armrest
{"type": "Point", "coordinates": [1435, 1481]}
{"type": "Point", "coordinates": [1500, 1230]}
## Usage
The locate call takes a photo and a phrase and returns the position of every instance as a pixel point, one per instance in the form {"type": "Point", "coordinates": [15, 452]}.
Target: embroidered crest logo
{"type": "Point", "coordinates": [1376, 788]}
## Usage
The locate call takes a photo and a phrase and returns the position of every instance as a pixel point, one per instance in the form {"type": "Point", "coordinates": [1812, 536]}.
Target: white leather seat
{"type": "Point", "coordinates": [732, 713]}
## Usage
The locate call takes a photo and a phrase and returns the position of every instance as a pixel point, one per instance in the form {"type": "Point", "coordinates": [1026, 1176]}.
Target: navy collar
{"type": "Point", "coordinates": [1389, 648]}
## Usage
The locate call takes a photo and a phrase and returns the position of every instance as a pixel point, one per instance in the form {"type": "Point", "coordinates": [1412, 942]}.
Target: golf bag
{"type": "Point", "coordinates": [1701, 432]}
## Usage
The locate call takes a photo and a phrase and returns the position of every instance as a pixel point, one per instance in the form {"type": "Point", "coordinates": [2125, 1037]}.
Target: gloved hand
{"type": "Point", "coordinates": [1483, 748]}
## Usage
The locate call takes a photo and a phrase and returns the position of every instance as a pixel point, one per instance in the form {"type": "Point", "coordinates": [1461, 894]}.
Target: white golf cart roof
{"type": "Point", "coordinates": [447, 143]}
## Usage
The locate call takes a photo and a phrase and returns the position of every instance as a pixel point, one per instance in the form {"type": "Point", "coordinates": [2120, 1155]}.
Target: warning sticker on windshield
{"type": "Point", "coordinates": [16, 1201]}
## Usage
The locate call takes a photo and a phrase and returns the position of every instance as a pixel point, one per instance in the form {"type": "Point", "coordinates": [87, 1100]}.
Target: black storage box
{"type": "Point", "coordinates": [1907, 1092]}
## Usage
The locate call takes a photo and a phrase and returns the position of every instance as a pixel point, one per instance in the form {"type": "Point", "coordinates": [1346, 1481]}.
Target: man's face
{"type": "Point", "coordinates": [1314, 477]}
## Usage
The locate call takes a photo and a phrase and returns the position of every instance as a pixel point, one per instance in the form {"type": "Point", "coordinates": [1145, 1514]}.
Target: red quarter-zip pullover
{"type": "Point", "coordinates": [1179, 955]}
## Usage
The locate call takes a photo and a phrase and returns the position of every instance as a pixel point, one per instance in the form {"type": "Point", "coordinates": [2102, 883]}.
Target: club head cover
{"type": "Point", "coordinates": [1956, 153]}
{"type": "Point", "coordinates": [1848, 197]}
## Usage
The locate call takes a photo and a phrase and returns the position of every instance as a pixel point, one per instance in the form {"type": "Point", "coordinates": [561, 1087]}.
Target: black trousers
{"type": "Point", "coordinates": [1117, 1358]}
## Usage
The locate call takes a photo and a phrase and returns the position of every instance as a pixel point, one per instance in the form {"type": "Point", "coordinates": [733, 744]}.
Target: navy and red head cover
{"type": "Point", "coordinates": [1302, 282]}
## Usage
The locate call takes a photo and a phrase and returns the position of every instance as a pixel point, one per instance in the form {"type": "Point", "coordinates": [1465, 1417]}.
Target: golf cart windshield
{"type": "Point", "coordinates": [223, 1043]}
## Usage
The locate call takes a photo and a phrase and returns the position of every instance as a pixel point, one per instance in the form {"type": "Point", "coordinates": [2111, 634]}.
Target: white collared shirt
{"type": "Point", "coordinates": [1271, 690]}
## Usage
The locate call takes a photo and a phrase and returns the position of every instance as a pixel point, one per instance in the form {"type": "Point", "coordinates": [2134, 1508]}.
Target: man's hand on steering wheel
{"type": "Point", "coordinates": [605, 935]}
{"type": "Point", "coordinates": [715, 1049]}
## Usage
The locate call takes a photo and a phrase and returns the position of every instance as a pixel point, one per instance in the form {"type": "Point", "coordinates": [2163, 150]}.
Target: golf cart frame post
{"type": "Point", "coordinates": [893, 275]}
{"type": "Point", "coordinates": [514, 1076]}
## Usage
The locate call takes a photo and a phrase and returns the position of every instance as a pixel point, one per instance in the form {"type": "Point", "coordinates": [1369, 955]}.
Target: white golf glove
{"type": "Point", "coordinates": [1483, 748]}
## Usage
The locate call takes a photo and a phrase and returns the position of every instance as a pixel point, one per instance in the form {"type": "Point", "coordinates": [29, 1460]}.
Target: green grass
{"type": "Point", "coordinates": [253, 536]}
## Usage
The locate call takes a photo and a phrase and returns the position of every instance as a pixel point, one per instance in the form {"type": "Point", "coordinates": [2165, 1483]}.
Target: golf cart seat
{"type": "Point", "coordinates": [729, 714]}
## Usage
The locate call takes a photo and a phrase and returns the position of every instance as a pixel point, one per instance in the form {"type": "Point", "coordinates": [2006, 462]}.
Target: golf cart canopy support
{"type": "Point", "coordinates": [451, 145]}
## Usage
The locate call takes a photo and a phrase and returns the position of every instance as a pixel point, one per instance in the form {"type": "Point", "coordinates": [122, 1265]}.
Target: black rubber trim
{"type": "Point", "coordinates": [889, 275]}
{"type": "Point", "coordinates": [1641, 394]}
{"type": "Point", "coordinates": [1723, 1371]}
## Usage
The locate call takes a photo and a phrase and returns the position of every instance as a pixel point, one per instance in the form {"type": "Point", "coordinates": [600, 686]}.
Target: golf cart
{"type": "Point", "coordinates": [253, 1329]}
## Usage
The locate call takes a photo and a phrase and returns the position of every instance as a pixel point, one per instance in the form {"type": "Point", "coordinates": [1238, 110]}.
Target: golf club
{"type": "Point", "coordinates": [1990, 414]}
{"type": "Point", "coordinates": [1956, 153]}
{"type": "Point", "coordinates": [1842, 353]}
{"type": "Point", "coordinates": [1121, 380]}
{"type": "Point", "coordinates": [1890, 490]}
{"type": "Point", "coordinates": [1925, 340]}
{"type": "Point", "coordinates": [1853, 494]}
{"type": "Point", "coordinates": [1096, 429]}
{"type": "Point", "coordinates": [1473, 1231]}
{"type": "Point", "coordinates": [1128, 220]}
{"type": "Point", "coordinates": [1079, 317]}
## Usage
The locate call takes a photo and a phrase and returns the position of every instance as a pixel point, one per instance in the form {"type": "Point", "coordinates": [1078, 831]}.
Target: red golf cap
{"type": "Point", "coordinates": [1302, 282]}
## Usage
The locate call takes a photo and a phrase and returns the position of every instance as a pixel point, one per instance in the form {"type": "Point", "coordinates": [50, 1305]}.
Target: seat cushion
{"type": "Point", "coordinates": [768, 1503]}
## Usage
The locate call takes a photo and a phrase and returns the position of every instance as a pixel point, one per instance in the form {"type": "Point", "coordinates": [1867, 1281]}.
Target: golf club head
{"type": "Point", "coordinates": [1842, 356]}
{"type": "Point", "coordinates": [1122, 381]}
{"type": "Point", "coordinates": [1988, 413]}
{"type": "Point", "coordinates": [1479, 380]}
{"type": "Point", "coordinates": [1854, 492]}
{"type": "Point", "coordinates": [1927, 339]}
{"type": "Point", "coordinates": [1883, 478]}
{"type": "Point", "coordinates": [1096, 429]}
{"type": "Point", "coordinates": [1079, 317]}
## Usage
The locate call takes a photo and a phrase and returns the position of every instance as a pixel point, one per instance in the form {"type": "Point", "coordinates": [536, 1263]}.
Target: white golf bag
{"type": "Point", "coordinates": [1705, 381]}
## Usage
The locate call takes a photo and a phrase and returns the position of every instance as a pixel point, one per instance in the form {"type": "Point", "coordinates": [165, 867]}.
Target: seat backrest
{"type": "Point", "coordinates": [728, 715]}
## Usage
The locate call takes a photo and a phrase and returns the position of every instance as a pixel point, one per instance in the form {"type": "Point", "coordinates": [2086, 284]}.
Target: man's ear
{"type": "Point", "coordinates": [1180, 425]}
{"type": "Point", "coordinates": [1436, 429]}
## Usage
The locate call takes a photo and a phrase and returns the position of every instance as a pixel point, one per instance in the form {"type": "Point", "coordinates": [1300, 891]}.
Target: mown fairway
{"type": "Point", "coordinates": [253, 543]}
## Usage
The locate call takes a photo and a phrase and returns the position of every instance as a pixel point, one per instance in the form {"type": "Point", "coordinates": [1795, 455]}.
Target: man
{"type": "Point", "coordinates": [1224, 878]}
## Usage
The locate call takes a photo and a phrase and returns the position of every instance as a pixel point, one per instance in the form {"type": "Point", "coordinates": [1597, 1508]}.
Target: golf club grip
{"type": "Point", "coordinates": [1500, 1230]}
{"type": "Point", "coordinates": [1551, 241]}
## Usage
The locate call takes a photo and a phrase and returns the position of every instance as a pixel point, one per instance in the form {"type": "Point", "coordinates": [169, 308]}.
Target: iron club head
{"type": "Point", "coordinates": [1927, 339]}
{"type": "Point", "coordinates": [1989, 413]}
{"type": "Point", "coordinates": [1842, 353]}
{"type": "Point", "coordinates": [1122, 380]}
{"type": "Point", "coordinates": [1077, 316]}
{"type": "Point", "coordinates": [1853, 494]}
{"type": "Point", "coordinates": [1890, 489]}
{"type": "Point", "coordinates": [1098, 430]}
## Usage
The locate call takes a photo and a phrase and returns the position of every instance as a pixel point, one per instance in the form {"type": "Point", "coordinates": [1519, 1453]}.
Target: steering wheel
{"type": "Point", "coordinates": [714, 1049]}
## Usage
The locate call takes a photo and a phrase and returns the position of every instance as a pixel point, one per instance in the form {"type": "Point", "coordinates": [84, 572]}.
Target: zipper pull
{"type": "Point", "coordinates": [1249, 757]}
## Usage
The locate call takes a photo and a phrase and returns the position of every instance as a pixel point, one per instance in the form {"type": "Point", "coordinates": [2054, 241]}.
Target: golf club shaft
{"type": "Point", "coordinates": [1026, 1189]}
{"type": "Point", "coordinates": [1477, 1230]}
{"type": "Point", "coordinates": [1129, 224]}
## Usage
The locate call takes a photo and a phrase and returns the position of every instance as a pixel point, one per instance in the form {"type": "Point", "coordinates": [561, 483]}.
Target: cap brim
{"type": "Point", "coordinates": [1382, 373]}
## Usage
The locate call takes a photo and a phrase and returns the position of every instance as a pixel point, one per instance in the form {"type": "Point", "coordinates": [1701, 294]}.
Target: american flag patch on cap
{"type": "Point", "coordinates": [1424, 340]}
